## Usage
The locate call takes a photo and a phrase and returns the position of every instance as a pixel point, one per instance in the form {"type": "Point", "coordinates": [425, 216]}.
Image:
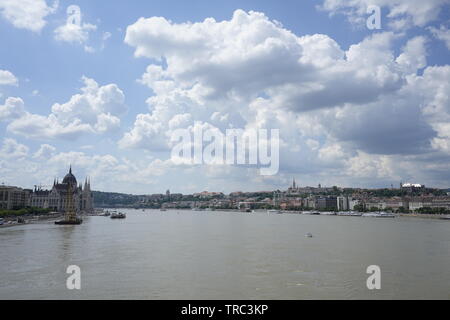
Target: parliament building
{"type": "Point", "coordinates": [57, 197]}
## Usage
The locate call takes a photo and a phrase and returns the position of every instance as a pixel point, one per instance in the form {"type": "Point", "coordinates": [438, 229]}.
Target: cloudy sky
{"type": "Point", "coordinates": [354, 106]}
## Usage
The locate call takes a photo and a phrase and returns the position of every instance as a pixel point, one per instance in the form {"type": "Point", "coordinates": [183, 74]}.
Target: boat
{"type": "Point", "coordinates": [386, 215]}
{"type": "Point", "coordinates": [119, 215]}
{"type": "Point", "coordinates": [311, 212]}
{"type": "Point", "coordinates": [445, 218]}
{"type": "Point", "coordinates": [328, 213]}
{"type": "Point", "coordinates": [163, 209]}
{"type": "Point", "coordinates": [309, 235]}
{"type": "Point", "coordinates": [75, 221]}
{"type": "Point", "coordinates": [70, 215]}
{"type": "Point", "coordinates": [349, 213]}
{"type": "Point", "coordinates": [274, 211]}
{"type": "Point", "coordinates": [379, 215]}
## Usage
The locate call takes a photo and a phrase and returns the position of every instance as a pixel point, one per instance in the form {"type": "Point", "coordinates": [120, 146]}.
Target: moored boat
{"type": "Point", "coordinates": [119, 215]}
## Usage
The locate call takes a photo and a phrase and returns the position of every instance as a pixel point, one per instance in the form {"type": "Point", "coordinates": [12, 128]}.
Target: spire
{"type": "Point", "coordinates": [70, 169]}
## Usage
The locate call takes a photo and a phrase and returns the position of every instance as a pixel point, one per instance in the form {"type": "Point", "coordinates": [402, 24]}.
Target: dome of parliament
{"type": "Point", "coordinates": [70, 178]}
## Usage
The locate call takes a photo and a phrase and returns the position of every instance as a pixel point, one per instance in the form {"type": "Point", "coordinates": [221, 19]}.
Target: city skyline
{"type": "Point", "coordinates": [104, 88]}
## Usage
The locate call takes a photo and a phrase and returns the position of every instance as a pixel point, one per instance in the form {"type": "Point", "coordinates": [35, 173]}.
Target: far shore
{"type": "Point", "coordinates": [423, 215]}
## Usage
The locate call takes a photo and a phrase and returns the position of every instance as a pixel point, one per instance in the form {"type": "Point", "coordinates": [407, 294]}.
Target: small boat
{"type": "Point", "coordinates": [75, 221]}
{"type": "Point", "coordinates": [309, 235]}
{"type": "Point", "coordinates": [274, 211]}
{"type": "Point", "coordinates": [311, 212]}
{"type": "Point", "coordinates": [163, 209]}
{"type": "Point", "coordinates": [379, 215]}
{"type": "Point", "coordinates": [328, 213]}
{"type": "Point", "coordinates": [349, 213]}
{"type": "Point", "coordinates": [119, 215]}
{"type": "Point", "coordinates": [445, 218]}
{"type": "Point", "coordinates": [386, 215]}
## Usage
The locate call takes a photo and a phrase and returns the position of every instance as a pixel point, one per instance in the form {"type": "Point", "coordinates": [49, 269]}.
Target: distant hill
{"type": "Point", "coordinates": [113, 199]}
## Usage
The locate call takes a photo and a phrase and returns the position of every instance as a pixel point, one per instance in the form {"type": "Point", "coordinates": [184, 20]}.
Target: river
{"type": "Point", "coordinates": [227, 255]}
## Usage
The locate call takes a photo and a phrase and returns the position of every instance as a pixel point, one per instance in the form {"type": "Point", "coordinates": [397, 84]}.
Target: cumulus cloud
{"type": "Point", "coordinates": [27, 14]}
{"type": "Point", "coordinates": [74, 33]}
{"type": "Point", "coordinates": [443, 34]}
{"type": "Point", "coordinates": [45, 151]}
{"type": "Point", "coordinates": [95, 110]}
{"type": "Point", "coordinates": [366, 105]}
{"type": "Point", "coordinates": [401, 13]}
{"type": "Point", "coordinates": [12, 109]}
{"type": "Point", "coordinates": [7, 78]}
{"type": "Point", "coordinates": [11, 149]}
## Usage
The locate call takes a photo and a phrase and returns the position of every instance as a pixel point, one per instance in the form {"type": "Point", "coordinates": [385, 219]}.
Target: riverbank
{"type": "Point", "coordinates": [423, 215]}
{"type": "Point", "coordinates": [13, 221]}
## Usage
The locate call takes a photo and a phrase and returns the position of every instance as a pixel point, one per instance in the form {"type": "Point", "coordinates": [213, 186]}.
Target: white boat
{"type": "Point", "coordinates": [328, 213]}
{"type": "Point", "coordinates": [379, 215]}
{"type": "Point", "coordinates": [349, 213]}
{"type": "Point", "coordinates": [274, 211]}
{"type": "Point", "coordinates": [311, 212]}
{"type": "Point", "coordinates": [386, 215]}
{"type": "Point", "coordinates": [309, 235]}
{"type": "Point", "coordinates": [119, 215]}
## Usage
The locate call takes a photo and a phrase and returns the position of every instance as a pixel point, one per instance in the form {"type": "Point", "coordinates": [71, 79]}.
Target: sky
{"type": "Point", "coordinates": [105, 90]}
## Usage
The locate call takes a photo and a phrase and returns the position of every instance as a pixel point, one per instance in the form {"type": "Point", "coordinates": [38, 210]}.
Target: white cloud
{"type": "Point", "coordinates": [443, 33]}
{"type": "Point", "coordinates": [7, 78]}
{"type": "Point", "coordinates": [12, 109]}
{"type": "Point", "coordinates": [363, 106]}
{"type": "Point", "coordinates": [73, 33]}
{"type": "Point", "coordinates": [45, 151]}
{"type": "Point", "coordinates": [401, 13]}
{"type": "Point", "coordinates": [11, 149]}
{"type": "Point", "coordinates": [413, 56]}
{"type": "Point", "coordinates": [95, 110]}
{"type": "Point", "coordinates": [27, 14]}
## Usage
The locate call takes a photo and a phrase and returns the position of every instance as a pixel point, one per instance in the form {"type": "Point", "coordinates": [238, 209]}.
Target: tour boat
{"type": "Point", "coordinates": [119, 215]}
{"type": "Point", "coordinates": [379, 215]}
{"type": "Point", "coordinates": [75, 221]}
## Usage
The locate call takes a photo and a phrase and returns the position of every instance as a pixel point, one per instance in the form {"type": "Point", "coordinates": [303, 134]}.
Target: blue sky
{"type": "Point", "coordinates": [380, 115]}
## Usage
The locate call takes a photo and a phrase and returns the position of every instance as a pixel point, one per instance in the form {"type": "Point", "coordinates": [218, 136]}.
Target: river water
{"type": "Point", "coordinates": [227, 255]}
